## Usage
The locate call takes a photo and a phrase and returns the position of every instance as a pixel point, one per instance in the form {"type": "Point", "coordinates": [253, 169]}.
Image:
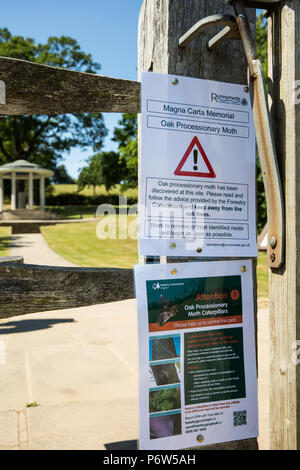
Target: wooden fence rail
{"type": "Point", "coordinates": [30, 288]}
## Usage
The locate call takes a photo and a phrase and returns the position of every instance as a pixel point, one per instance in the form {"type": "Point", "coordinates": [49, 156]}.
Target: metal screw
{"type": "Point", "coordinates": [175, 81]}
{"type": "Point", "coordinates": [174, 271]}
{"type": "Point", "coordinates": [199, 250]}
{"type": "Point", "coordinates": [272, 257]}
{"type": "Point", "coordinates": [273, 242]}
{"type": "Point", "coordinates": [172, 246]}
{"type": "Point", "coordinates": [246, 89]}
{"type": "Point", "coordinates": [243, 269]}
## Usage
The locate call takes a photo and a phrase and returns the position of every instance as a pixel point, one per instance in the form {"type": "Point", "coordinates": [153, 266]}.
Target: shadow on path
{"type": "Point", "coordinates": [24, 326]}
{"type": "Point", "coordinates": [5, 243]}
{"type": "Point", "coordinates": [122, 445]}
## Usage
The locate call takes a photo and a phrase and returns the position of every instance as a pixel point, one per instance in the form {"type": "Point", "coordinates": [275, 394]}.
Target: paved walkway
{"type": "Point", "coordinates": [35, 250]}
{"type": "Point", "coordinates": [79, 367]}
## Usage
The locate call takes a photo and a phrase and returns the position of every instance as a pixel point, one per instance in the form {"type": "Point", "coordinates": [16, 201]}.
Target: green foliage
{"type": "Point", "coordinates": [126, 136]}
{"type": "Point", "coordinates": [164, 400]}
{"type": "Point", "coordinates": [42, 139]}
{"type": "Point", "coordinates": [90, 175]}
{"type": "Point", "coordinates": [33, 404]}
{"type": "Point", "coordinates": [103, 168]}
{"type": "Point", "coordinates": [61, 175]}
{"type": "Point", "coordinates": [113, 169]}
{"type": "Point", "coordinates": [262, 42]}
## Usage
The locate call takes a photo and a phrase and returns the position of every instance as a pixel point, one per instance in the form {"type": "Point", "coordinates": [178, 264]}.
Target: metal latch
{"type": "Point", "coordinates": [238, 27]}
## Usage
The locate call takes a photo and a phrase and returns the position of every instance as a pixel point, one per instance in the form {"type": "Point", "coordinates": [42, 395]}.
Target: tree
{"type": "Point", "coordinates": [103, 168]}
{"type": "Point", "coordinates": [61, 175]}
{"type": "Point", "coordinates": [126, 136]}
{"type": "Point", "coordinates": [43, 139]}
{"type": "Point", "coordinates": [114, 169]}
{"type": "Point", "coordinates": [90, 175]}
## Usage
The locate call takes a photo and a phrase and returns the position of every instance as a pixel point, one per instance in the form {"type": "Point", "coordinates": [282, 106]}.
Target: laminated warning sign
{"type": "Point", "coordinates": [197, 360]}
{"type": "Point", "coordinates": [197, 169]}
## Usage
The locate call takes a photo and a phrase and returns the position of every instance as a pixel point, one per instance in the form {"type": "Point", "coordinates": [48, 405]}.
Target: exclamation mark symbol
{"type": "Point", "coordinates": [195, 160]}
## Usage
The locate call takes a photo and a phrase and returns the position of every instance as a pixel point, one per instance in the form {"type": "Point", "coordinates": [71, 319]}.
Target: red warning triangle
{"type": "Point", "coordinates": [188, 154]}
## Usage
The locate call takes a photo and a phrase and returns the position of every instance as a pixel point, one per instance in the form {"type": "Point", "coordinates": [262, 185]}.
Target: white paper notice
{"type": "Point", "coordinates": [197, 193]}
{"type": "Point", "coordinates": [197, 360]}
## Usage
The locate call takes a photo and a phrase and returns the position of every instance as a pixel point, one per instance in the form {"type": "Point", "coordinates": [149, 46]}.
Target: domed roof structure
{"type": "Point", "coordinates": [23, 170]}
{"type": "Point", "coordinates": [21, 167]}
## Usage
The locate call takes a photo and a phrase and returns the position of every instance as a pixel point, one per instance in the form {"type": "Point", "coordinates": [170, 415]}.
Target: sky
{"type": "Point", "coordinates": [107, 29]}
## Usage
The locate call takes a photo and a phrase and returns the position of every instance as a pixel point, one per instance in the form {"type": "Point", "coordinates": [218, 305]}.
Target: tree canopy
{"type": "Point", "coordinates": [126, 137]}
{"type": "Point", "coordinates": [103, 168]}
{"type": "Point", "coordinates": [43, 139]}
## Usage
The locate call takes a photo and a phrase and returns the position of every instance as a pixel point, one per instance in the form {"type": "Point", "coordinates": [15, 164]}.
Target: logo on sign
{"type": "Point", "coordinates": [224, 99]}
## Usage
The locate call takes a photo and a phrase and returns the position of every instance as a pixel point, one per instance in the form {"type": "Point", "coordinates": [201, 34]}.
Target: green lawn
{"type": "Point", "coordinates": [79, 244]}
{"type": "Point", "coordinates": [5, 233]}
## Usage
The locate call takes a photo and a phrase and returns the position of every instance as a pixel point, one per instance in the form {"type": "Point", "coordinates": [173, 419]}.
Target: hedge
{"type": "Point", "coordinates": [75, 199]}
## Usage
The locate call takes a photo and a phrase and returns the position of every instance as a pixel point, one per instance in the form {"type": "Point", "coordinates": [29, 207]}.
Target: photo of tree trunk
{"type": "Point", "coordinates": [165, 374]}
{"type": "Point", "coordinates": [165, 348]}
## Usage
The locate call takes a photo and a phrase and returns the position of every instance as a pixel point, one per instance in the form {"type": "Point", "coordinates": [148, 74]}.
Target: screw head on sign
{"type": "Point", "coordinates": [175, 81]}
{"type": "Point", "coordinates": [246, 89]}
{"type": "Point", "coordinates": [243, 269]}
{"type": "Point", "coordinates": [273, 242]}
{"type": "Point", "coordinates": [174, 271]}
{"type": "Point", "coordinates": [173, 246]}
{"type": "Point", "coordinates": [199, 250]}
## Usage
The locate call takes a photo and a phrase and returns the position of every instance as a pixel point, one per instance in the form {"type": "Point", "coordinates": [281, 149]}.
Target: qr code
{"type": "Point", "coordinates": [240, 418]}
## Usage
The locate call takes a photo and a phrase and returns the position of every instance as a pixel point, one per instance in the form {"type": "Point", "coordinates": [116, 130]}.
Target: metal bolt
{"type": "Point", "coordinates": [243, 269]}
{"type": "Point", "coordinates": [199, 250]}
{"type": "Point", "coordinates": [174, 271]}
{"type": "Point", "coordinates": [175, 81]}
{"type": "Point", "coordinates": [273, 242]}
{"type": "Point", "coordinates": [246, 89]}
{"type": "Point", "coordinates": [172, 246]}
{"type": "Point", "coordinates": [272, 257]}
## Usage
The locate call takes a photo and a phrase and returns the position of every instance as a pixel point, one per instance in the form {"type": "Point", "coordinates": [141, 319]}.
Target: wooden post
{"type": "Point", "coordinates": [162, 23]}
{"type": "Point", "coordinates": [284, 70]}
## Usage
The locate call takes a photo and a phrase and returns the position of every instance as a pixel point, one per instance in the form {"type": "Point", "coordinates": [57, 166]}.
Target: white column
{"type": "Point", "coordinates": [13, 192]}
{"type": "Point", "coordinates": [1, 194]}
{"type": "Point", "coordinates": [42, 192]}
{"type": "Point", "coordinates": [30, 191]}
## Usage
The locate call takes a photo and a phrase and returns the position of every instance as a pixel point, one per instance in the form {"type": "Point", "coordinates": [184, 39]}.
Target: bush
{"type": "Point", "coordinates": [75, 199]}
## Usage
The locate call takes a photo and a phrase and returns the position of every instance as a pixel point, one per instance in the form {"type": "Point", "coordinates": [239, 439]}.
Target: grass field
{"type": "Point", "coordinates": [79, 244]}
{"type": "Point", "coordinates": [5, 241]}
{"type": "Point", "coordinates": [73, 188]}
